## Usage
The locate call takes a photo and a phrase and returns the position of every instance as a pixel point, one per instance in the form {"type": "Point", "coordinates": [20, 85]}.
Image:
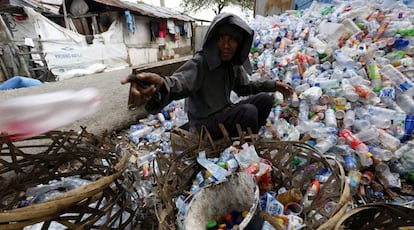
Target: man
{"type": "Point", "coordinates": [221, 66]}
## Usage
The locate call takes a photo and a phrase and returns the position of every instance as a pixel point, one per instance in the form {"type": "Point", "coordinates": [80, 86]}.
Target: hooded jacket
{"type": "Point", "coordinates": [206, 81]}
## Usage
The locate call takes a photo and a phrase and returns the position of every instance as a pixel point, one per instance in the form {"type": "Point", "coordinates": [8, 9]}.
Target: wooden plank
{"type": "Point", "coordinates": [85, 26]}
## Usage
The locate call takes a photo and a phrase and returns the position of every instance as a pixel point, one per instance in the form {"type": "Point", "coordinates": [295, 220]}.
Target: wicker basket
{"type": "Point", "coordinates": [104, 203]}
{"type": "Point", "coordinates": [175, 174]}
{"type": "Point", "coordinates": [377, 216]}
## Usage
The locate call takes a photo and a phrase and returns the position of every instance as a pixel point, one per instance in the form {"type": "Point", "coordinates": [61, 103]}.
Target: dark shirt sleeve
{"type": "Point", "coordinates": [181, 84]}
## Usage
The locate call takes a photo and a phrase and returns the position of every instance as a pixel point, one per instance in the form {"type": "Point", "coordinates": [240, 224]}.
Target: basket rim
{"type": "Point", "coordinates": [342, 202]}
{"type": "Point", "coordinates": [253, 207]}
{"type": "Point", "coordinates": [64, 200]}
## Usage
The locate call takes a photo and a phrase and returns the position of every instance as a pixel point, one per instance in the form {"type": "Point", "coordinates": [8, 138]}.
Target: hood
{"type": "Point", "coordinates": [210, 49]}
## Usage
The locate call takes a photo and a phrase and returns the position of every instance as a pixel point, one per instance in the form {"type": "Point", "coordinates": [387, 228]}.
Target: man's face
{"type": "Point", "coordinates": [227, 46]}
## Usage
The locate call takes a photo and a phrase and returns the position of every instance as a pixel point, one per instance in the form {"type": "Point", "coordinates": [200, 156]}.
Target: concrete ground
{"type": "Point", "coordinates": [114, 113]}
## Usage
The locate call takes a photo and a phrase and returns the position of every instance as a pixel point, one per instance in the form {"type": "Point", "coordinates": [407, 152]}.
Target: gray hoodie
{"type": "Point", "coordinates": [207, 82]}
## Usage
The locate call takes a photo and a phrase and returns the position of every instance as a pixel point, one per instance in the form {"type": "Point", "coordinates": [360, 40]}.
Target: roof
{"type": "Point", "coordinates": [53, 6]}
{"type": "Point", "coordinates": [147, 10]}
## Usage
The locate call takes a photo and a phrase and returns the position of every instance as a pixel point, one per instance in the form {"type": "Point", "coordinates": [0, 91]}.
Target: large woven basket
{"type": "Point", "coordinates": [377, 216]}
{"type": "Point", "coordinates": [175, 174]}
{"type": "Point", "coordinates": [105, 203]}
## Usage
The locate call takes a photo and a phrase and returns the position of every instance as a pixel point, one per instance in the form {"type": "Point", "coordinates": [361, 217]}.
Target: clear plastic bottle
{"type": "Point", "coordinates": [323, 132]}
{"type": "Point", "coordinates": [327, 83]}
{"type": "Point", "coordinates": [277, 112]}
{"type": "Point", "coordinates": [343, 60]}
{"type": "Point", "coordinates": [379, 111]}
{"type": "Point", "coordinates": [350, 162]}
{"type": "Point", "coordinates": [403, 83]}
{"type": "Point", "coordinates": [135, 135]}
{"type": "Point", "coordinates": [294, 100]}
{"type": "Point", "coordinates": [349, 91]}
{"type": "Point", "coordinates": [325, 144]}
{"type": "Point", "coordinates": [349, 118]}
{"type": "Point", "coordinates": [404, 148]}
{"type": "Point", "coordinates": [321, 47]}
{"type": "Point", "coordinates": [354, 179]}
{"type": "Point", "coordinates": [306, 126]}
{"type": "Point", "coordinates": [385, 176]}
{"type": "Point", "coordinates": [367, 134]}
{"type": "Point", "coordinates": [380, 154]}
{"type": "Point", "coordinates": [364, 92]}
{"type": "Point", "coordinates": [330, 118]}
{"type": "Point", "coordinates": [303, 110]}
{"type": "Point", "coordinates": [406, 103]}
{"type": "Point", "coordinates": [387, 140]}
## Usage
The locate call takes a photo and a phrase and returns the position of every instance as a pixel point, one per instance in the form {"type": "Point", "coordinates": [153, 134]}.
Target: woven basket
{"type": "Point", "coordinates": [104, 203]}
{"type": "Point", "coordinates": [377, 216]}
{"type": "Point", "coordinates": [175, 175]}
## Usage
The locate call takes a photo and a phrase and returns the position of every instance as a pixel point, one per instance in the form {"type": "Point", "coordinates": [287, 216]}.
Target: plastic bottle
{"type": "Point", "coordinates": [343, 60]}
{"type": "Point", "coordinates": [361, 124]}
{"type": "Point", "coordinates": [397, 125]}
{"type": "Point", "coordinates": [380, 121]}
{"type": "Point", "coordinates": [327, 83]}
{"type": "Point", "coordinates": [403, 84]}
{"type": "Point", "coordinates": [400, 43]}
{"type": "Point", "coordinates": [367, 134]}
{"type": "Point", "coordinates": [364, 92]}
{"type": "Point", "coordinates": [379, 111]}
{"type": "Point", "coordinates": [387, 140]}
{"type": "Point", "coordinates": [407, 146]}
{"type": "Point", "coordinates": [349, 118]}
{"type": "Point", "coordinates": [137, 134]}
{"type": "Point", "coordinates": [350, 26]}
{"type": "Point", "coordinates": [311, 192]}
{"type": "Point", "coordinates": [354, 179]}
{"type": "Point", "coordinates": [349, 91]}
{"type": "Point", "coordinates": [387, 92]}
{"type": "Point", "coordinates": [350, 162]}
{"type": "Point", "coordinates": [306, 126]}
{"type": "Point", "coordinates": [323, 132]}
{"type": "Point", "coordinates": [318, 117]}
{"type": "Point", "coordinates": [303, 110]}
{"type": "Point", "coordinates": [380, 154]}
{"type": "Point", "coordinates": [387, 178]}
{"type": "Point", "coordinates": [321, 47]}
{"type": "Point", "coordinates": [296, 78]}
{"type": "Point", "coordinates": [408, 128]}
{"type": "Point", "coordinates": [277, 112]}
{"type": "Point", "coordinates": [324, 145]}
{"type": "Point", "coordinates": [406, 103]}
{"type": "Point", "coordinates": [294, 102]}
{"type": "Point", "coordinates": [374, 76]}
{"type": "Point", "coordinates": [355, 143]}
{"type": "Point", "coordinates": [330, 118]}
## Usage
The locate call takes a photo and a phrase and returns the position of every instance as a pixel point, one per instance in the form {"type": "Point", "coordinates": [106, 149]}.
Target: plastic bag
{"type": "Point", "coordinates": [29, 116]}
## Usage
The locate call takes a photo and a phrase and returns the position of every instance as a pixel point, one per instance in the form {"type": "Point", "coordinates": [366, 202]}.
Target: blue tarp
{"type": "Point", "coordinates": [19, 82]}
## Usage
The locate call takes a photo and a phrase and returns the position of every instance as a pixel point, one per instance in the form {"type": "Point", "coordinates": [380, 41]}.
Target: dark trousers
{"type": "Point", "coordinates": [250, 113]}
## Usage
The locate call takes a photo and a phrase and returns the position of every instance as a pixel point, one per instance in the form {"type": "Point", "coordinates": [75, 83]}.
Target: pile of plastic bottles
{"type": "Point", "coordinates": [351, 66]}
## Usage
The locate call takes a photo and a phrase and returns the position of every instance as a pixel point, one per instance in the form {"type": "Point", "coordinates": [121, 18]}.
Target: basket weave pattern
{"type": "Point", "coordinates": [377, 216]}
{"type": "Point", "coordinates": [175, 175]}
{"type": "Point", "coordinates": [102, 203]}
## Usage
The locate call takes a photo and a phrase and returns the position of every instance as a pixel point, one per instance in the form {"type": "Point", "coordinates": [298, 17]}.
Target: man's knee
{"type": "Point", "coordinates": [266, 98]}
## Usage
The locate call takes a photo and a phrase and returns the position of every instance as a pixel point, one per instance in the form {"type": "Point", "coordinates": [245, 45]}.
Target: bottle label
{"type": "Point", "coordinates": [406, 85]}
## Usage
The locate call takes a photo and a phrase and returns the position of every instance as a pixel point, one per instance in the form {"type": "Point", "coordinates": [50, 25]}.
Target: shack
{"type": "Point", "coordinates": [60, 39]}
